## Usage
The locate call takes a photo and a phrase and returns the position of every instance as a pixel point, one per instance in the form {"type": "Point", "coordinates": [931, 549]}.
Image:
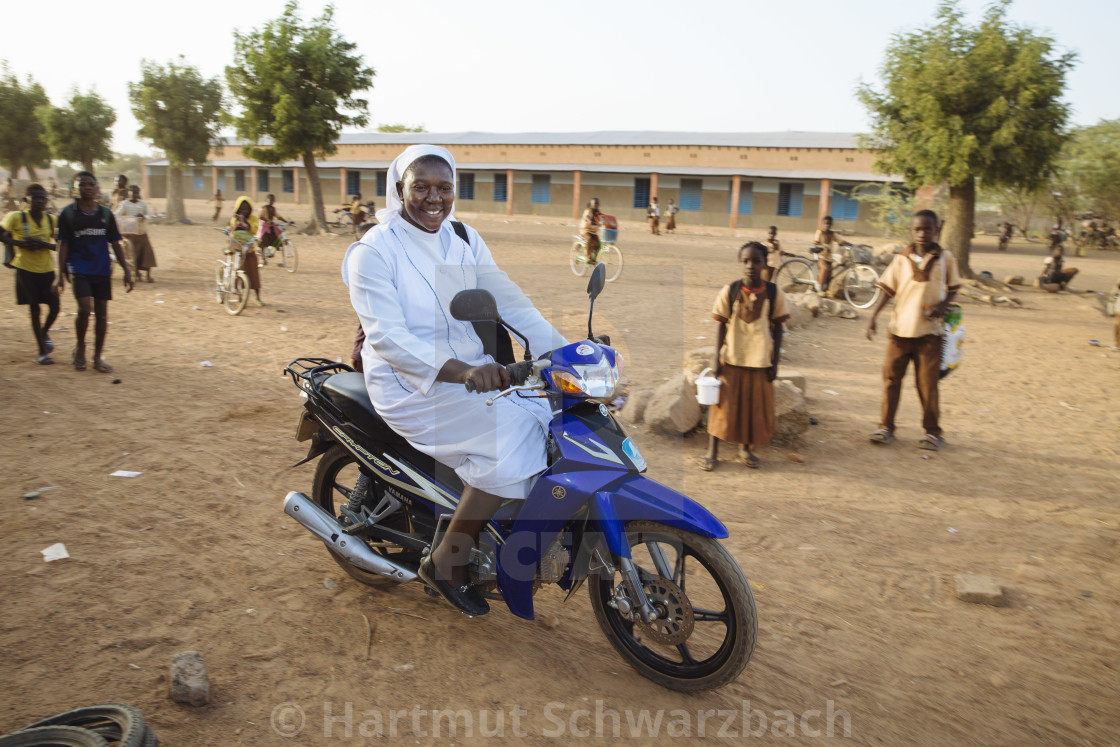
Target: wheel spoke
{"type": "Point", "coordinates": [686, 656]}
{"type": "Point", "coordinates": [699, 615]}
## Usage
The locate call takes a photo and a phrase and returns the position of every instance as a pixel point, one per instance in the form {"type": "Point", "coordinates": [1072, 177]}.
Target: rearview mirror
{"type": "Point", "coordinates": [597, 281]}
{"type": "Point", "coordinates": [474, 305]}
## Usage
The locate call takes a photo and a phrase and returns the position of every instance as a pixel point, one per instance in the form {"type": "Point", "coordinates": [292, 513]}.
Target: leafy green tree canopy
{"type": "Point", "coordinates": [1091, 163]}
{"type": "Point", "coordinates": [81, 132]}
{"type": "Point", "coordinates": [397, 127]}
{"type": "Point", "coordinates": [965, 102]}
{"type": "Point", "coordinates": [21, 132]}
{"type": "Point", "coordinates": [181, 113]}
{"type": "Point", "coordinates": [297, 85]}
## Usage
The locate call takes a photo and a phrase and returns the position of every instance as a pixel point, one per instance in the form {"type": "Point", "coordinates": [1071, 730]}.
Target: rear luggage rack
{"type": "Point", "coordinates": [309, 373]}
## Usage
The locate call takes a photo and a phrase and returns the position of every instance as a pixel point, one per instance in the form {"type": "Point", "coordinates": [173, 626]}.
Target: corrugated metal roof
{"type": "Point", "coordinates": [845, 176]}
{"type": "Point", "coordinates": [789, 139]}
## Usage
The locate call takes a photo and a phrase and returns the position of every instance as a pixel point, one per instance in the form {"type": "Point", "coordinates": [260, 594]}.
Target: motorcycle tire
{"type": "Point", "coordinates": [327, 488]}
{"type": "Point", "coordinates": [663, 652]}
{"type": "Point", "coordinates": [122, 724]}
{"type": "Point", "coordinates": [54, 736]}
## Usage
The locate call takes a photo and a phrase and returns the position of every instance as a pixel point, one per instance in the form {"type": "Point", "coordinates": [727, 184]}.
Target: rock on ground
{"type": "Point", "coordinates": [791, 411]}
{"type": "Point", "coordinates": [979, 590]}
{"type": "Point", "coordinates": [634, 411]}
{"type": "Point", "coordinates": [673, 409]}
{"type": "Point", "coordinates": [189, 682]}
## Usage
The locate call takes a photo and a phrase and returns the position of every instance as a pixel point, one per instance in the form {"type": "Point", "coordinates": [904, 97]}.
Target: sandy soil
{"type": "Point", "coordinates": [851, 553]}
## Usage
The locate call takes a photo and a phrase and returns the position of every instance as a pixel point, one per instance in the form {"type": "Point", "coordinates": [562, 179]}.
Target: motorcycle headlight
{"type": "Point", "coordinates": [595, 380]}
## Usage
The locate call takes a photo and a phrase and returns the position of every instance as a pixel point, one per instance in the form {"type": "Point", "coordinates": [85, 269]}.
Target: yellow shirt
{"type": "Point", "coordinates": [32, 260]}
{"type": "Point", "coordinates": [748, 342]}
{"type": "Point", "coordinates": [916, 286]}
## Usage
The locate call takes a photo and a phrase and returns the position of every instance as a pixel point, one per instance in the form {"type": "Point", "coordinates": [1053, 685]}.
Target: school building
{"type": "Point", "coordinates": [740, 180]}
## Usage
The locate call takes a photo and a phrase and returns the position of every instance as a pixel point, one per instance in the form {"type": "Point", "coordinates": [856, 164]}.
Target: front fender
{"type": "Point", "coordinates": [639, 498]}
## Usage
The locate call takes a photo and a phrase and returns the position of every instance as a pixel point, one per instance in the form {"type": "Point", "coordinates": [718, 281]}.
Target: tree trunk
{"type": "Point", "coordinates": [318, 224]}
{"type": "Point", "coordinates": [31, 174]}
{"type": "Point", "coordinates": [87, 165]}
{"type": "Point", "coordinates": [175, 210]}
{"type": "Point", "coordinates": [957, 233]}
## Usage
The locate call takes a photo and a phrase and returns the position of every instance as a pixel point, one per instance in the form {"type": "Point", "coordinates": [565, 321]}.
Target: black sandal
{"type": "Point", "coordinates": [464, 597]}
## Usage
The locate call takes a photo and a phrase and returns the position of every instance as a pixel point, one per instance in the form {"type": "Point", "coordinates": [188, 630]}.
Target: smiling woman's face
{"type": "Point", "coordinates": [428, 194]}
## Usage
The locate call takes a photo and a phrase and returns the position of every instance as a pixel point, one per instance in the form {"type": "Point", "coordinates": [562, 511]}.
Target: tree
{"type": "Point", "coordinates": [180, 112]}
{"type": "Point", "coordinates": [397, 127]}
{"type": "Point", "coordinates": [21, 132]}
{"type": "Point", "coordinates": [82, 132]}
{"type": "Point", "coordinates": [962, 103]}
{"type": "Point", "coordinates": [295, 85]}
{"type": "Point", "coordinates": [1090, 167]}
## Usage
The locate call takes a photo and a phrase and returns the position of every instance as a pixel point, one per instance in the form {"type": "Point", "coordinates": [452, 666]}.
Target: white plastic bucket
{"type": "Point", "coordinates": [707, 388]}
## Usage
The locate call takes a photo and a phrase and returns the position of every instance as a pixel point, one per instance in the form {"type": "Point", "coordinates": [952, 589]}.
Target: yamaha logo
{"type": "Point", "coordinates": [558, 492]}
{"type": "Point", "coordinates": [603, 411]}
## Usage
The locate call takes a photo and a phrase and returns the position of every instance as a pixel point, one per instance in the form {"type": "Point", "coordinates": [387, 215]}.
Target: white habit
{"type": "Point", "coordinates": [401, 281]}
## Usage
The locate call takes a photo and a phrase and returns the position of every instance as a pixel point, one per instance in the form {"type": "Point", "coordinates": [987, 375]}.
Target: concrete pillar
{"type": "Point", "coordinates": [576, 201]}
{"type": "Point", "coordinates": [253, 185]}
{"type": "Point", "coordinates": [144, 180]}
{"type": "Point", "coordinates": [214, 180]}
{"type": "Point", "coordinates": [653, 188]}
{"type": "Point", "coordinates": [826, 200]}
{"type": "Point", "coordinates": [295, 183]}
{"type": "Point", "coordinates": [736, 184]}
{"type": "Point", "coordinates": [343, 198]}
{"type": "Point", "coordinates": [509, 192]}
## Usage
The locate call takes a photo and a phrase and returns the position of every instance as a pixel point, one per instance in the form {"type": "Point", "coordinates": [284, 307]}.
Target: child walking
{"type": "Point", "coordinates": [750, 313]}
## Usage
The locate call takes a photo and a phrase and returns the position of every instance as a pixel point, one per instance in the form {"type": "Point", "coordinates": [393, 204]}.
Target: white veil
{"type": "Point", "coordinates": [393, 203]}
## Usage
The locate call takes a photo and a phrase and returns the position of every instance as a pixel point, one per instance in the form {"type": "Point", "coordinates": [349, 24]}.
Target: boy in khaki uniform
{"type": "Point", "coordinates": [922, 280]}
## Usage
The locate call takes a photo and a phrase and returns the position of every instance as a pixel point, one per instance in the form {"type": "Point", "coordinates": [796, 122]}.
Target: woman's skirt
{"type": "Point", "coordinates": [142, 252]}
{"type": "Point", "coordinates": [251, 265]}
{"type": "Point", "coordinates": [745, 413]}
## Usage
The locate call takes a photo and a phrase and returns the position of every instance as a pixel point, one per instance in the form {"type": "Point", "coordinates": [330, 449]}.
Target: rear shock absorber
{"type": "Point", "coordinates": [359, 494]}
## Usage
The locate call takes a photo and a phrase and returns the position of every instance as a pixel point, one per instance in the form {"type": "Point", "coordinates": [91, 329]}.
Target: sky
{"type": "Point", "coordinates": [577, 66]}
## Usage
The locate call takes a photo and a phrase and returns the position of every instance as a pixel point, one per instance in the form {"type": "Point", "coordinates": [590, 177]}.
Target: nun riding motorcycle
{"type": "Point", "coordinates": [666, 593]}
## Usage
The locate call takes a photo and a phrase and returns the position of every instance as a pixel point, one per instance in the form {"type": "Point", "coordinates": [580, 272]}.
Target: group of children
{"type": "Point", "coordinates": [921, 280]}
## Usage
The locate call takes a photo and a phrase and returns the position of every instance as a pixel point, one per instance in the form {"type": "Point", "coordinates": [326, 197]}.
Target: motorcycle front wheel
{"type": "Point", "coordinates": [707, 625]}
{"type": "Point", "coordinates": [335, 477]}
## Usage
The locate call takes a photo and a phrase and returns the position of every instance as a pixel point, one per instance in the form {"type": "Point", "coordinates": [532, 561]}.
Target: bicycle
{"type": "Point", "coordinates": [282, 245]}
{"type": "Point", "coordinates": [860, 280]}
{"type": "Point", "coordinates": [232, 282]}
{"type": "Point", "coordinates": [609, 253]}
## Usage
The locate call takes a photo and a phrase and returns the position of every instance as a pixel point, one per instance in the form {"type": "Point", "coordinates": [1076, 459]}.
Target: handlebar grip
{"type": "Point", "coordinates": [469, 385]}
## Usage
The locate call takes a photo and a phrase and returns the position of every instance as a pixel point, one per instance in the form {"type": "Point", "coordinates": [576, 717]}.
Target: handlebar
{"type": "Point", "coordinates": [523, 376]}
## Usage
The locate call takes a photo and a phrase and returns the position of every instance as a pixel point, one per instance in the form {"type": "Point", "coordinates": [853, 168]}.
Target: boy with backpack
{"type": "Point", "coordinates": [30, 236]}
{"type": "Point", "coordinates": [750, 313]}
{"type": "Point", "coordinates": [85, 231]}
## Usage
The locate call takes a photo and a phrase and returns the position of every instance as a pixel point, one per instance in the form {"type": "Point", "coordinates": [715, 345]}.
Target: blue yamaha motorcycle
{"type": "Point", "coordinates": [668, 596]}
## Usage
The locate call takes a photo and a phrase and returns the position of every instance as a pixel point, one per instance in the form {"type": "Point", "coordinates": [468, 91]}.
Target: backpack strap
{"type": "Point", "coordinates": [496, 341]}
{"type": "Point", "coordinates": [737, 286]}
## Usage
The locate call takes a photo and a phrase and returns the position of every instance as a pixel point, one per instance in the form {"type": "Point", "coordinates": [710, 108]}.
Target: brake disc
{"type": "Point", "coordinates": [675, 618]}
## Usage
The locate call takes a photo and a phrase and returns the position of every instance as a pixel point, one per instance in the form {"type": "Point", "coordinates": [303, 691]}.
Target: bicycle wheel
{"type": "Point", "coordinates": [861, 286]}
{"type": "Point", "coordinates": [579, 258]}
{"type": "Point", "coordinates": [220, 281]}
{"type": "Point", "coordinates": [611, 256]}
{"type": "Point", "coordinates": [796, 276]}
{"type": "Point", "coordinates": [238, 294]}
{"type": "Point", "coordinates": [288, 258]}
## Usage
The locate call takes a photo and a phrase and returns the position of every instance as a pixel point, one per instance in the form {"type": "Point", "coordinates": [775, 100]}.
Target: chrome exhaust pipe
{"type": "Point", "coordinates": [324, 526]}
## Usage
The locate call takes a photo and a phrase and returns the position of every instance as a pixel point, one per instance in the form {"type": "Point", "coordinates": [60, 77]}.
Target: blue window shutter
{"type": "Point", "coordinates": [542, 189]}
{"type": "Point", "coordinates": [287, 181]}
{"type": "Point", "coordinates": [691, 194]}
{"type": "Point", "coordinates": [499, 187]}
{"type": "Point", "coordinates": [353, 182]}
{"type": "Point", "coordinates": [844, 206]}
{"type": "Point", "coordinates": [262, 180]}
{"type": "Point", "coordinates": [381, 183]}
{"type": "Point", "coordinates": [466, 186]}
{"type": "Point", "coordinates": [641, 192]}
{"type": "Point", "coordinates": [746, 197]}
{"type": "Point", "coordinates": [239, 180]}
{"type": "Point", "coordinates": [789, 198]}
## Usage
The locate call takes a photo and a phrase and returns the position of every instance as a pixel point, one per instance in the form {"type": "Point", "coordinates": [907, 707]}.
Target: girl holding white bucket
{"type": "Point", "coordinates": [750, 313]}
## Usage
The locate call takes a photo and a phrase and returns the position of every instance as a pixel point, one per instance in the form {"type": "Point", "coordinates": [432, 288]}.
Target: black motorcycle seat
{"type": "Point", "coordinates": [347, 391]}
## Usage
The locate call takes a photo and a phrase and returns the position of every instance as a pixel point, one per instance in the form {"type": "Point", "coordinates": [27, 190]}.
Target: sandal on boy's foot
{"type": "Point", "coordinates": [931, 442]}
{"type": "Point", "coordinates": [882, 436]}
{"type": "Point", "coordinates": [707, 463]}
{"type": "Point", "coordinates": [751, 461]}
{"type": "Point", "coordinates": [79, 362]}
{"type": "Point", "coordinates": [102, 366]}
{"type": "Point", "coordinates": [44, 360]}
{"type": "Point", "coordinates": [465, 598]}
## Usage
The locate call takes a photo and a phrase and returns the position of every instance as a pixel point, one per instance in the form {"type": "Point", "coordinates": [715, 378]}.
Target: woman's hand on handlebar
{"type": "Point", "coordinates": [488, 377]}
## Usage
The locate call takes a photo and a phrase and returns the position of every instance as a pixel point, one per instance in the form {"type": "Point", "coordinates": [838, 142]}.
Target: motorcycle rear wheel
{"type": "Point", "coordinates": [717, 617]}
{"type": "Point", "coordinates": [334, 481]}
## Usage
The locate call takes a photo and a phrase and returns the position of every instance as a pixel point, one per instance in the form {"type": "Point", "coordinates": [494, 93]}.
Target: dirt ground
{"type": "Point", "coordinates": [851, 553]}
